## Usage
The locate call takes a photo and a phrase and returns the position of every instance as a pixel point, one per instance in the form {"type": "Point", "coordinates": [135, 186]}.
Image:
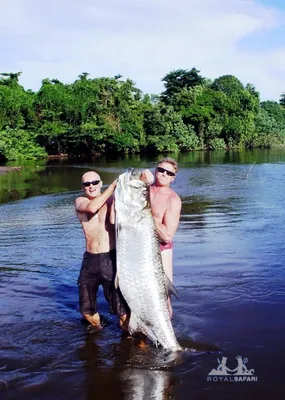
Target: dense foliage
{"type": "Point", "coordinates": [93, 116]}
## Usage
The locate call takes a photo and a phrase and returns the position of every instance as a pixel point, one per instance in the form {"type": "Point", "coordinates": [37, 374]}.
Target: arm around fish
{"type": "Point", "coordinates": [167, 226]}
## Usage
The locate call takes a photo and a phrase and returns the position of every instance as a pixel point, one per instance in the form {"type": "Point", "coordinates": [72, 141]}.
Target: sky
{"type": "Point", "coordinates": [144, 40]}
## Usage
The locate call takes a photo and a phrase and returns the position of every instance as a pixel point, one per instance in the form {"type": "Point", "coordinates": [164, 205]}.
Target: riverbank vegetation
{"type": "Point", "coordinates": [94, 116]}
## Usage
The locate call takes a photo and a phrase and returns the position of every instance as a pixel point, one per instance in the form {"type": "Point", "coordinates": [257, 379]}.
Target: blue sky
{"type": "Point", "coordinates": [144, 40]}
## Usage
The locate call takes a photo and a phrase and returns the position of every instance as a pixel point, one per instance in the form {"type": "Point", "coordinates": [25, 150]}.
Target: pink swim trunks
{"type": "Point", "coordinates": [165, 246]}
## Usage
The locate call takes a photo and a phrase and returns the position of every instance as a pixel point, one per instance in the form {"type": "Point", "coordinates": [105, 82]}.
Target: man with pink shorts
{"type": "Point", "coordinates": [166, 208]}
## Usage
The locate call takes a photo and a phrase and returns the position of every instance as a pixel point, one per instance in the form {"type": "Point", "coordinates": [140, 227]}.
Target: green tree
{"type": "Point", "coordinates": [18, 144]}
{"type": "Point", "coordinates": [275, 111]}
{"type": "Point", "coordinates": [270, 124]}
{"type": "Point", "coordinates": [16, 105]}
{"type": "Point", "coordinates": [166, 131]}
{"type": "Point", "coordinates": [53, 106]}
{"type": "Point", "coordinates": [93, 116]}
{"type": "Point", "coordinates": [239, 110]}
{"type": "Point", "coordinates": [176, 81]}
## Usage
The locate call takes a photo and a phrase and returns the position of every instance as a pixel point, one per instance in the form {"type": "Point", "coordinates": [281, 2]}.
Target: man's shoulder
{"type": "Point", "coordinates": [173, 196]}
{"type": "Point", "coordinates": [174, 201]}
{"type": "Point", "coordinates": [81, 199]}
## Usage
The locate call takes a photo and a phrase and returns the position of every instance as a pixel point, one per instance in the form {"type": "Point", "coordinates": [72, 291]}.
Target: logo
{"type": "Point", "coordinates": [239, 374]}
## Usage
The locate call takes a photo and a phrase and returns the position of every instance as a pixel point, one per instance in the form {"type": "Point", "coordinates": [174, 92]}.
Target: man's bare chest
{"type": "Point", "coordinates": [101, 217]}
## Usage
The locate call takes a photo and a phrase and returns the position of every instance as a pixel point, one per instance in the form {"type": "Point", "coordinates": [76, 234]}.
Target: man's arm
{"type": "Point", "coordinates": [167, 228]}
{"type": "Point", "coordinates": [112, 217]}
{"type": "Point", "coordinates": [84, 205]}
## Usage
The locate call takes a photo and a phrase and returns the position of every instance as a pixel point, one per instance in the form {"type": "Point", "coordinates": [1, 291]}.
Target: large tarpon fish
{"type": "Point", "coordinates": [140, 273]}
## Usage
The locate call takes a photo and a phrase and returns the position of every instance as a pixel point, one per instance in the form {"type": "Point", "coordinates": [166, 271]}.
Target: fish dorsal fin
{"type": "Point", "coordinates": [170, 287]}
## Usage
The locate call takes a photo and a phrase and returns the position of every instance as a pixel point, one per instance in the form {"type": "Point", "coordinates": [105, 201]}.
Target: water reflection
{"type": "Point", "coordinates": [3, 390]}
{"type": "Point", "coordinates": [55, 176]}
{"type": "Point", "coordinates": [124, 371]}
{"type": "Point", "coordinates": [141, 384]}
{"type": "Point", "coordinates": [121, 369]}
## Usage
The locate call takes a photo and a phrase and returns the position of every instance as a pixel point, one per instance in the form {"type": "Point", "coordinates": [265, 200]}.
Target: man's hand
{"type": "Point", "coordinates": [147, 177]}
{"type": "Point", "coordinates": [114, 184]}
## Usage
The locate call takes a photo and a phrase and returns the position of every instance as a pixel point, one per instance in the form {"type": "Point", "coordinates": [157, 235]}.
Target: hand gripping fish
{"type": "Point", "coordinates": [140, 273]}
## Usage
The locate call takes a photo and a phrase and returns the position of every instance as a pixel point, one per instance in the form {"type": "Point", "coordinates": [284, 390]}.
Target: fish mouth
{"type": "Point", "coordinates": [134, 174]}
{"type": "Point", "coordinates": [131, 191]}
{"type": "Point", "coordinates": [132, 178]}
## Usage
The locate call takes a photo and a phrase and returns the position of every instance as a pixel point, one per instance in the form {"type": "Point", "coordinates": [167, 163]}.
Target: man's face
{"type": "Point", "coordinates": [165, 174]}
{"type": "Point", "coordinates": [91, 183]}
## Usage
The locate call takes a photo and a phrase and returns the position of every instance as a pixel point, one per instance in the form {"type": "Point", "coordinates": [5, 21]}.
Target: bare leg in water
{"type": "Point", "coordinates": [94, 320]}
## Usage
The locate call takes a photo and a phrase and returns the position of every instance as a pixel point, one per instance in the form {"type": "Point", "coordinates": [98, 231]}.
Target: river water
{"type": "Point", "coordinates": [229, 266]}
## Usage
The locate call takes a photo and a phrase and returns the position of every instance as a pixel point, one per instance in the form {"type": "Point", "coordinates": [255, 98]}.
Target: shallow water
{"type": "Point", "coordinates": [229, 270]}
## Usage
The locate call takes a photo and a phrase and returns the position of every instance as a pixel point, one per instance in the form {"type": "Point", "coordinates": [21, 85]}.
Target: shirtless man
{"type": "Point", "coordinates": [95, 212]}
{"type": "Point", "coordinates": [166, 208]}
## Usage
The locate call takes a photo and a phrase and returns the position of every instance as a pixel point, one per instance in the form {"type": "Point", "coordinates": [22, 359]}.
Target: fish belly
{"type": "Point", "coordinates": [142, 282]}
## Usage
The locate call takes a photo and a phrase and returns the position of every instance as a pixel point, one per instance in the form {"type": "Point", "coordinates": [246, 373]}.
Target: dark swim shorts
{"type": "Point", "coordinates": [96, 270]}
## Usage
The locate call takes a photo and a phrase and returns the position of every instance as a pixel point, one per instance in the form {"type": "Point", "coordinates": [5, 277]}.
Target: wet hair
{"type": "Point", "coordinates": [169, 161]}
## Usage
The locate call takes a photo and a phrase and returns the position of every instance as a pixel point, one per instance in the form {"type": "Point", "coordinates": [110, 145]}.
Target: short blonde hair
{"type": "Point", "coordinates": [169, 161]}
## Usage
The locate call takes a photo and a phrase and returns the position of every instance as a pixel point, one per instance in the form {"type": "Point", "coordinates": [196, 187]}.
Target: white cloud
{"type": "Point", "coordinates": [142, 40]}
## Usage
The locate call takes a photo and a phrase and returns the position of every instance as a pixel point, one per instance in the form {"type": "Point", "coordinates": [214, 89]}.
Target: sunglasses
{"type": "Point", "coordinates": [162, 170]}
{"type": "Point", "coordinates": [87, 183]}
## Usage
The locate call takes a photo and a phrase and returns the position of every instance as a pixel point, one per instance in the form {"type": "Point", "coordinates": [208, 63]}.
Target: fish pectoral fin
{"type": "Point", "coordinates": [170, 287]}
{"type": "Point", "coordinates": [116, 281]}
{"type": "Point", "coordinates": [118, 228]}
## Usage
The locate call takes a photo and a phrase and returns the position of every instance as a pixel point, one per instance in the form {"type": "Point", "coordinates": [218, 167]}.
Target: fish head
{"type": "Point", "coordinates": [131, 191]}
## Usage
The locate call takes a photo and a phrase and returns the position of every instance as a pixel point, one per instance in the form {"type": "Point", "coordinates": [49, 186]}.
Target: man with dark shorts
{"type": "Point", "coordinates": [95, 211]}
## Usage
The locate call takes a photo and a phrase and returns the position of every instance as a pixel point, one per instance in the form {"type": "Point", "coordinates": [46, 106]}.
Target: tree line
{"type": "Point", "coordinates": [110, 114]}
